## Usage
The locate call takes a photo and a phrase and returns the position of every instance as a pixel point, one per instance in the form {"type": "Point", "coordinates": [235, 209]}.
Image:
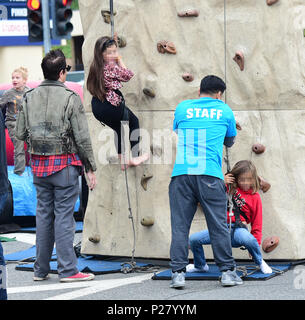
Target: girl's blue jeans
{"type": "Point", "coordinates": [240, 237]}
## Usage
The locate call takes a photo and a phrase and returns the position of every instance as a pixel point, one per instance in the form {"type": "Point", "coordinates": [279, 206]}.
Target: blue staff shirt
{"type": "Point", "coordinates": [202, 125]}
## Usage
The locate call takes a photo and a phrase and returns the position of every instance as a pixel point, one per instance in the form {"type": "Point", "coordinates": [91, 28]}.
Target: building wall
{"type": "Point", "coordinates": [14, 57]}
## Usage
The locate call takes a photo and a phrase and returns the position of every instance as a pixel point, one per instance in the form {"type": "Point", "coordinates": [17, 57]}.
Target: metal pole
{"type": "Point", "coordinates": [111, 19]}
{"type": "Point", "coordinates": [46, 26]}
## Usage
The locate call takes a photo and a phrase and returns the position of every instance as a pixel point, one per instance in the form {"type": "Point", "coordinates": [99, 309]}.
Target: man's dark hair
{"type": "Point", "coordinates": [53, 62]}
{"type": "Point", "coordinates": [212, 84]}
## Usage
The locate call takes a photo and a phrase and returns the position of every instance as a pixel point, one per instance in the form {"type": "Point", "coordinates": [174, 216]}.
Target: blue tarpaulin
{"type": "Point", "coordinates": [24, 193]}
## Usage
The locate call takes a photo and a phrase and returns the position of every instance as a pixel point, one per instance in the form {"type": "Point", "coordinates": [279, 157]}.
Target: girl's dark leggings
{"type": "Point", "coordinates": [112, 116]}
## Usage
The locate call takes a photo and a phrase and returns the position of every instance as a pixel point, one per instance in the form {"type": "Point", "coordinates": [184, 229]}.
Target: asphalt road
{"type": "Point", "coordinates": [135, 287]}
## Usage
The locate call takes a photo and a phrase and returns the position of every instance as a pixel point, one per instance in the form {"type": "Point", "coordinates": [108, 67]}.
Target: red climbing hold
{"type": "Point", "coordinates": [240, 60]}
{"type": "Point", "coordinates": [258, 148]}
{"type": "Point", "coordinates": [188, 13]}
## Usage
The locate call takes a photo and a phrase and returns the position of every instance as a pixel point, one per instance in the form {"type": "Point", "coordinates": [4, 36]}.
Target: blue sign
{"type": "Point", "coordinates": [14, 24]}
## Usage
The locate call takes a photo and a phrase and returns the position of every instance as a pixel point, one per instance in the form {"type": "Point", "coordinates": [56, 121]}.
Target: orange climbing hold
{"type": "Point", "coordinates": [270, 243]}
{"type": "Point", "coordinates": [166, 46]}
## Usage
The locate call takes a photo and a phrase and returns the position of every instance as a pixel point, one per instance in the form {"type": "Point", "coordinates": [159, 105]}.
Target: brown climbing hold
{"type": "Point", "coordinates": [107, 15]}
{"type": "Point", "coordinates": [95, 239]}
{"type": "Point", "coordinates": [188, 77]}
{"type": "Point", "coordinates": [156, 150]}
{"type": "Point", "coordinates": [166, 46]}
{"type": "Point", "coordinates": [188, 13]}
{"type": "Point", "coordinates": [145, 179]}
{"type": "Point", "coordinates": [240, 60]}
{"type": "Point", "coordinates": [149, 92]}
{"type": "Point", "coordinates": [122, 42]}
{"type": "Point", "coordinates": [264, 185]}
{"type": "Point", "coordinates": [258, 148]}
{"type": "Point", "coordinates": [271, 2]}
{"type": "Point", "coordinates": [270, 243]}
{"type": "Point", "coordinates": [238, 126]}
{"type": "Point", "coordinates": [147, 221]}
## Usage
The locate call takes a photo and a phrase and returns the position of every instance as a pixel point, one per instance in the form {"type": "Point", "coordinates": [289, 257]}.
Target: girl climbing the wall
{"type": "Point", "coordinates": [243, 184]}
{"type": "Point", "coordinates": [107, 72]}
{"type": "Point", "coordinates": [12, 101]}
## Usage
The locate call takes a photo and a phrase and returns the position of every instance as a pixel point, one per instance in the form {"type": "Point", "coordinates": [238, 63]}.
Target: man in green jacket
{"type": "Point", "coordinates": [53, 122]}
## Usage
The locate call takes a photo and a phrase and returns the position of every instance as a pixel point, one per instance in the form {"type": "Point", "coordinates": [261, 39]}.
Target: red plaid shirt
{"type": "Point", "coordinates": [43, 166]}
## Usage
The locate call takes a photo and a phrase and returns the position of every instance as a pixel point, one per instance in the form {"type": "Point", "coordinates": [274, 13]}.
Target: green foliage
{"type": "Point", "coordinates": [65, 49]}
{"type": "Point", "coordinates": [74, 5]}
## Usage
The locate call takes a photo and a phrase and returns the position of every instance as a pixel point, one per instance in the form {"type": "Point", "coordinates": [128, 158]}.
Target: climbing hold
{"type": "Point", "coordinates": [166, 46]}
{"type": "Point", "coordinates": [240, 60]}
{"type": "Point", "coordinates": [188, 77]}
{"type": "Point", "coordinates": [149, 92]}
{"type": "Point", "coordinates": [156, 150]}
{"type": "Point", "coordinates": [238, 126]}
{"type": "Point", "coordinates": [258, 148]}
{"type": "Point", "coordinates": [271, 2]}
{"type": "Point", "coordinates": [107, 15]}
{"type": "Point", "coordinates": [188, 13]}
{"type": "Point", "coordinates": [264, 185]}
{"type": "Point", "coordinates": [95, 239]}
{"type": "Point", "coordinates": [145, 179]}
{"type": "Point", "coordinates": [122, 42]}
{"type": "Point", "coordinates": [270, 243]}
{"type": "Point", "coordinates": [147, 221]}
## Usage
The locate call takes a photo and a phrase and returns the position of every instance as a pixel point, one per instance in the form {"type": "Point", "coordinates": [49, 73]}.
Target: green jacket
{"type": "Point", "coordinates": [52, 121]}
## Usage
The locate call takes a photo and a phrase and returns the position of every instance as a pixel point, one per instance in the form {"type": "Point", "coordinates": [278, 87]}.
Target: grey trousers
{"type": "Point", "coordinates": [56, 198]}
{"type": "Point", "coordinates": [185, 192]}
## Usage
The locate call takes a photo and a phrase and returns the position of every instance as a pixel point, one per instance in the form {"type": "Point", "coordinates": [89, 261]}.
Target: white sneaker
{"type": "Point", "coordinates": [265, 268]}
{"type": "Point", "coordinates": [192, 268]}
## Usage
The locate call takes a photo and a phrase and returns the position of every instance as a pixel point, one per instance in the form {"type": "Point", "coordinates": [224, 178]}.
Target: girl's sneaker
{"type": "Point", "coordinates": [265, 268]}
{"type": "Point", "coordinates": [78, 277]}
{"type": "Point", "coordinates": [192, 268]}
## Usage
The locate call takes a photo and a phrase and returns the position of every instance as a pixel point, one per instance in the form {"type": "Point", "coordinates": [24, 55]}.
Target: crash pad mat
{"type": "Point", "coordinates": [28, 255]}
{"type": "Point", "coordinates": [214, 273]}
{"type": "Point", "coordinates": [85, 264]}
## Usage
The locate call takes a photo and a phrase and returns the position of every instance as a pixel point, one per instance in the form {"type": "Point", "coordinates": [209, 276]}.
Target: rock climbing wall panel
{"type": "Point", "coordinates": [171, 45]}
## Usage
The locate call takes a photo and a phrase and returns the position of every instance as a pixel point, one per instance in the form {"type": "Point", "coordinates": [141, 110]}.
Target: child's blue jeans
{"type": "Point", "coordinates": [239, 237]}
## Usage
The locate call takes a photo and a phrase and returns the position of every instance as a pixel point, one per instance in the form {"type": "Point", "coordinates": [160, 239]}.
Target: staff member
{"type": "Point", "coordinates": [203, 125]}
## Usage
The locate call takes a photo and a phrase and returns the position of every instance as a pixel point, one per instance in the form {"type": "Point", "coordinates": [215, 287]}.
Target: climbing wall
{"type": "Point", "coordinates": [258, 47]}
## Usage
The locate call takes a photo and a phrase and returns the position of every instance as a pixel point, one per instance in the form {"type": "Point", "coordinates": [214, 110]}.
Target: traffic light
{"type": "Point", "coordinates": [61, 15]}
{"type": "Point", "coordinates": [35, 21]}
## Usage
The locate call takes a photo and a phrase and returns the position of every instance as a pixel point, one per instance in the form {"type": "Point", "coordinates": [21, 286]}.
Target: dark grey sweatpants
{"type": "Point", "coordinates": [185, 192]}
{"type": "Point", "coordinates": [56, 198]}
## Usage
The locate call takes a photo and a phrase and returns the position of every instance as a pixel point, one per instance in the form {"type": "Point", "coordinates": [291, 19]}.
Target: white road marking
{"type": "Point", "coordinates": [86, 287]}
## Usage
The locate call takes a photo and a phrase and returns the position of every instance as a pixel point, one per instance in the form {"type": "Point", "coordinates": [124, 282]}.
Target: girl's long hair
{"type": "Point", "coordinates": [95, 80]}
{"type": "Point", "coordinates": [241, 167]}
